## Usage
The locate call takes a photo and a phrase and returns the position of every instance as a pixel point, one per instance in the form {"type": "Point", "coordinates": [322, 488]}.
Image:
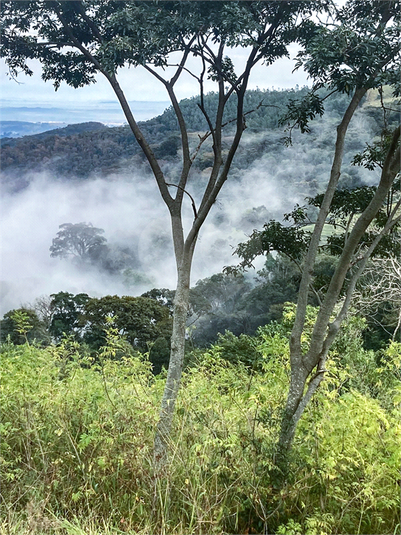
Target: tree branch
{"type": "Point", "coordinates": [189, 195]}
{"type": "Point", "coordinates": [158, 173]}
{"type": "Point", "coordinates": [310, 258]}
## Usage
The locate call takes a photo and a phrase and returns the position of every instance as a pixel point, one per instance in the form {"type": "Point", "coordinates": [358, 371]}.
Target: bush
{"type": "Point", "coordinates": [77, 440]}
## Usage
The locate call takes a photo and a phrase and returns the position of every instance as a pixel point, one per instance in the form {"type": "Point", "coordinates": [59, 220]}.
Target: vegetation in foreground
{"type": "Point", "coordinates": [77, 439]}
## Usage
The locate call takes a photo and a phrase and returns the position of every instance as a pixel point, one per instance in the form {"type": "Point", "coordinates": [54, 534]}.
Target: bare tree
{"type": "Point", "coordinates": [381, 286]}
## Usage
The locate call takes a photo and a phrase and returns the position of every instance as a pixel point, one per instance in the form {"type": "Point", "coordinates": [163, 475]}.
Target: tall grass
{"type": "Point", "coordinates": [77, 440]}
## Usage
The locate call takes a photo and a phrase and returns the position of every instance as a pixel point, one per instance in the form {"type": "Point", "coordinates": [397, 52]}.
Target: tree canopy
{"type": "Point", "coordinates": [140, 319]}
{"type": "Point", "coordinates": [79, 240]}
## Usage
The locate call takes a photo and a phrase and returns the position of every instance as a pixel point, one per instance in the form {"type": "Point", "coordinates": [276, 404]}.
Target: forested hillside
{"type": "Point", "coordinates": [240, 304]}
{"type": "Point", "coordinates": [78, 152]}
{"type": "Point", "coordinates": [87, 152]}
{"type": "Point", "coordinates": [104, 166]}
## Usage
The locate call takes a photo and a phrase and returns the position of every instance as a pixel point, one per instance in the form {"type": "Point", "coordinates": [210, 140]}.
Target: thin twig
{"type": "Point", "coordinates": [189, 195]}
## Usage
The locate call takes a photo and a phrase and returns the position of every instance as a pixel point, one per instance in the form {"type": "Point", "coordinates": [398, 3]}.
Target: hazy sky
{"type": "Point", "coordinates": [136, 82]}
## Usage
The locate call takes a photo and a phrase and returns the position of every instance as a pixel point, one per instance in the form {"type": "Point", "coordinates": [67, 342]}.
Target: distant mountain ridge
{"type": "Point", "coordinates": [79, 151]}
{"type": "Point", "coordinates": [11, 129]}
{"type": "Point", "coordinates": [41, 131]}
{"type": "Point", "coordinates": [77, 111]}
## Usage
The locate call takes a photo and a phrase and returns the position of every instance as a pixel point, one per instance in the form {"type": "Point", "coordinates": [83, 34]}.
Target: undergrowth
{"type": "Point", "coordinates": [77, 438]}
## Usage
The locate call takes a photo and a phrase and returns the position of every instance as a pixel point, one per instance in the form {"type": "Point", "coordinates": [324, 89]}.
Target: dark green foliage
{"type": "Point", "coordinates": [159, 354]}
{"type": "Point", "coordinates": [323, 271]}
{"type": "Point", "coordinates": [277, 283]}
{"type": "Point", "coordinates": [141, 320]}
{"type": "Point", "coordinates": [66, 315]}
{"type": "Point", "coordinates": [168, 148]}
{"type": "Point", "coordinates": [389, 244]}
{"type": "Point", "coordinates": [238, 349]}
{"type": "Point", "coordinates": [346, 205]}
{"type": "Point", "coordinates": [346, 202]}
{"type": "Point", "coordinates": [23, 325]}
{"type": "Point", "coordinates": [232, 303]}
{"type": "Point", "coordinates": [292, 239]}
{"type": "Point", "coordinates": [377, 333]}
{"type": "Point", "coordinates": [164, 296]}
{"type": "Point", "coordinates": [374, 154]}
{"type": "Point", "coordinates": [144, 322]}
{"type": "Point", "coordinates": [301, 112]}
{"type": "Point", "coordinates": [138, 33]}
{"type": "Point", "coordinates": [350, 54]}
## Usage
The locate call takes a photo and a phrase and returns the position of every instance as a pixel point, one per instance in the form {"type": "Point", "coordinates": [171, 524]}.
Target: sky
{"type": "Point", "coordinates": [29, 96]}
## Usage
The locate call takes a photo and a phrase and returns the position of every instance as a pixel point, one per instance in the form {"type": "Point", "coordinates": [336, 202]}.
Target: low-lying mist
{"type": "Point", "coordinates": [134, 217]}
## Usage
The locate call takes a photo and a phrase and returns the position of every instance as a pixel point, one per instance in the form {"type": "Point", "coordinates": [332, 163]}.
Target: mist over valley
{"type": "Point", "coordinates": [95, 174]}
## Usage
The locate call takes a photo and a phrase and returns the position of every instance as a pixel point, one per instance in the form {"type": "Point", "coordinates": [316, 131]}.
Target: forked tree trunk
{"type": "Point", "coordinates": [299, 377]}
{"type": "Point", "coordinates": [303, 384]}
{"type": "Point", "coordinates": [300, 369]}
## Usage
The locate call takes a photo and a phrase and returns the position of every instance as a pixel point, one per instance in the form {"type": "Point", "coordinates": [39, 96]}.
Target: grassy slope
{"type": "Point", "coordinates": [77, 444]}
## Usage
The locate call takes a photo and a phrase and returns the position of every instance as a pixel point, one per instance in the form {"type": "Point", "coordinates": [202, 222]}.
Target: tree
{"type": "Point", "coordinates": [139, 319]}
{"type": "Point", "coordinates": [82, 241]}
{"type": "Point", "coordinates": [359, 52]}
{"type": "Point", "coordinates": [84, 244]}
{"type": "Point", "coordinates": [379, 295]}
{"type": "Point", "coordinates": [66, 314]}
{"type": "Point", "coordinates": [164, 296]}
{"type": "Point", "coordinates": [22, 326]}
{"type": "Point", "coordinates": [76, 40]}
{"type": "Point", "coordinates": [215, 306]}
{"type": "Point", "coordinates": [43, 308]}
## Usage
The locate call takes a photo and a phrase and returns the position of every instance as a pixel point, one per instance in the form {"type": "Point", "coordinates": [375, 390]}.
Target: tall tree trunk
{"type": "Point", "coordinates": [174, 373]}
{"type": "Point", "coordinates": [299, 376]}
{"type": "Point", "coordinates": [303, 385]}
{"type": "Point", "coordinates": [300, 368]}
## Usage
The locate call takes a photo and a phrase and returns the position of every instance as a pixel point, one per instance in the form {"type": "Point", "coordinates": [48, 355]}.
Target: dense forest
{"type": "Point", "coordinates": [78, 152]}
{"type": "Point", "coordinates": [262, 397]}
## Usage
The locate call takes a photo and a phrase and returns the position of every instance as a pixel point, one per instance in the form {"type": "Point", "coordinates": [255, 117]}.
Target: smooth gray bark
{"type": "Point", "coordinates": [175, 366]}
{"type": "Point", "coordinates": [303, 384]}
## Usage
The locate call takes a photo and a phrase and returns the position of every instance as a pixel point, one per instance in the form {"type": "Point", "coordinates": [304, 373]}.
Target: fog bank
{"type": "Point", "coordinates": [133, 216]}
